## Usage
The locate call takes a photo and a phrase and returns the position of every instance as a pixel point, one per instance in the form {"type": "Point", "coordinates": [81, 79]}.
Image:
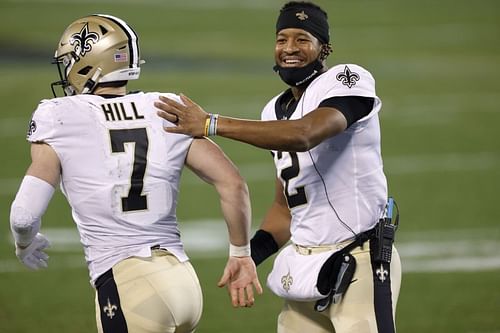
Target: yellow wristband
{"type": "Point", "coordinates": [207, 125]}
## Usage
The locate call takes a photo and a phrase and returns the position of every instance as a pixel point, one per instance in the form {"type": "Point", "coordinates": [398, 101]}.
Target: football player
{"type": "Point", "coordinates": [120, 173]}
{"type": "Point", "coordinates": [331, 191]}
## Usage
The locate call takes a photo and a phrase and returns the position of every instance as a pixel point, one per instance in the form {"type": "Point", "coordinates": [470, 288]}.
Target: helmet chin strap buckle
{"type": "Point", "coordinates": [92, 82]}
{"type": "Point", "coordinates": [69, 91]}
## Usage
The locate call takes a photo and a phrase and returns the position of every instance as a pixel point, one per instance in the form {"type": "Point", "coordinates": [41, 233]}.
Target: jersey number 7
{"type": "Point", "coordinates": [139, 136]}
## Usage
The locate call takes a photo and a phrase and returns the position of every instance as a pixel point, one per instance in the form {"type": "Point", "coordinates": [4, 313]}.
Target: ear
{"type": "Point", "coordinates": [326, 50]}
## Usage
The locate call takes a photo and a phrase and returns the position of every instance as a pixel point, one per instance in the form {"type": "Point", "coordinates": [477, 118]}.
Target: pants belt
{"type": "Point", "coordinates": [308, 250]}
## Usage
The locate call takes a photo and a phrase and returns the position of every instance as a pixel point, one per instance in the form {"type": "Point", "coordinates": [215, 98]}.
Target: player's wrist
{"type": "Point", "coordinates": [211, 124]}
{"type": "Point", "coordinates": [239, 251]}
{"type": "Point", "coordinates": [23, 246]}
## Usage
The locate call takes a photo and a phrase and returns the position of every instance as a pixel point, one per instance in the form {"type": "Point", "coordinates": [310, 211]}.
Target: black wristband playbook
{"type": "Point", "coordinates": [263, 246]}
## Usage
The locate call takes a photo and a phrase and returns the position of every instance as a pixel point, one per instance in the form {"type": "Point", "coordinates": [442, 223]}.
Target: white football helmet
{"type": "Point", "coordinates": [96, 49]}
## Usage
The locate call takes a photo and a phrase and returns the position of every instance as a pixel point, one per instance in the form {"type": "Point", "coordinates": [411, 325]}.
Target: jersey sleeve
{"type": "Point", "coordinates": [349, 80]}
{"type": "Point", "coordinates": [154, 98]}
{"type": "Point", "coordinates": [41, 125]}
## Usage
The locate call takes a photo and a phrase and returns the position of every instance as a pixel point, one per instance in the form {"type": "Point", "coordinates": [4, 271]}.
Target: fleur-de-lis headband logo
{"type": "Point", "coordinates": [302, 16]}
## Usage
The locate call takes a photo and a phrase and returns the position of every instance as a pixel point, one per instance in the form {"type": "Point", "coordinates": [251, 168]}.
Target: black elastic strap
{"type": "Point", "coordinates": [262, 246]}
{"type": "Point", "coordinates": [111, 314]}
{"type": "Point", "coordinates": [382, 294]}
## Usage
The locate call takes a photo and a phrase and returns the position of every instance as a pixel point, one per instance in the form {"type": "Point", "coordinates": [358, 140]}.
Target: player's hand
{"type": "Point", "coordinates": [189, 118]}
{"type": "Point", "coordinates": [32, 255]}
{"type": "Point", "coordinates": [240, 277]}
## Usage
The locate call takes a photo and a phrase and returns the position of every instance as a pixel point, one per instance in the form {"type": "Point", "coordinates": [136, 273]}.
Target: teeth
{"type": "Point", "coordinates": [292, 61]}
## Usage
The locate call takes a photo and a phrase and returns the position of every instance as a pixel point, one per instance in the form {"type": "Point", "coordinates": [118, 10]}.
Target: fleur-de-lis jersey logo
{"type": "Point", "coordinates": [382, 273]}
{"type": "Point", "coordinates": [82, 40]}
{"type": "Point", "coordinates": [287, 281]}
{"type": "Point", "coordinates": [31, 128]}
{"type": "Point", "coordinates": [110, 309]}
{"type": "Point", "coordinates": [347, 77]}
{"type": "Point", "coordinates": [302, 16]}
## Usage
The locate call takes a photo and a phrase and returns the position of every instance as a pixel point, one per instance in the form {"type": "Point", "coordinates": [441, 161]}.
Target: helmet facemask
{"type": "Point", "coordinates": [64, 65]}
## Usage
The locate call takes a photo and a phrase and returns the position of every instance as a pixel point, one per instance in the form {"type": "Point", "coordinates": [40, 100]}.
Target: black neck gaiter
{"type": "Point", "coordinates": [299, 76]}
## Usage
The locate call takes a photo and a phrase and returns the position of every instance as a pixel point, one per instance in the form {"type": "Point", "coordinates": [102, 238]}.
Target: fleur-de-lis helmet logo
{"type": "Point", "coordinates": [347, 77]}
{"type": "Point", "coordinates": [82, 41]}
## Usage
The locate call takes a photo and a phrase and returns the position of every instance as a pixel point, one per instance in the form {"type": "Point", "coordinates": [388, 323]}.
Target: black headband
{"type": "Point", "coordinates": [309, 19]}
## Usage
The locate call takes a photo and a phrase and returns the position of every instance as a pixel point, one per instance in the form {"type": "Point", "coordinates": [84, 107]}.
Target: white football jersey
{"type": "Point", "coordinates": [338, 188]}
{"type": "Point", "coordinates": [120, 173]}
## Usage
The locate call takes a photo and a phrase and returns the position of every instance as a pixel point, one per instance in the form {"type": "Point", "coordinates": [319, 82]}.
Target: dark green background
{"type": "Point", "coordinates": [437, 65]}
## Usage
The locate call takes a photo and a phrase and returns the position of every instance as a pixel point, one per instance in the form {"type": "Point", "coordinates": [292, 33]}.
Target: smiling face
{"type": "Point", "coordinates": [295, 48]}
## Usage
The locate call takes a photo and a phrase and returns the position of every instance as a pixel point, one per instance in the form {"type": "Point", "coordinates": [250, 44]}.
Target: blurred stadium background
{"type": "Point", "coordinates": [437, 66]}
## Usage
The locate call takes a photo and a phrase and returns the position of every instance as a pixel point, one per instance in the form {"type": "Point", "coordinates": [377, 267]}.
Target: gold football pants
{"type": "Point", "coordinates": [368, 306]}
{"type": "Point", "coordinates": [158, 294]}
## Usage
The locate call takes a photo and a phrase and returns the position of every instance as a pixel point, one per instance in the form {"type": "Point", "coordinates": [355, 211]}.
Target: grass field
{"type": "Point", "coordinates": [437, 65]}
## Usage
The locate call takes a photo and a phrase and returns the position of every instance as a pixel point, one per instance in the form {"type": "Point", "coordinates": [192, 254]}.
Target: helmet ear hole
{"type": "Point", "coordinates": [85, 70]}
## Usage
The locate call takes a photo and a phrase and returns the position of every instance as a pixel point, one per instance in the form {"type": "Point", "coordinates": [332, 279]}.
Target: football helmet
{"type": "Point", "coordinates": [96, 49]}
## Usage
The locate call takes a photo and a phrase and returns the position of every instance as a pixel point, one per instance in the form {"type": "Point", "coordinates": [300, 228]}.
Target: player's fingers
{"type": "Point", "coordinates": [187, 100]}
{"type": "Point", "coordinates": [171, 117]}
{"type": "Point", "coordinates": [173, 129]}
{"type": "Point", "coordinates": [257, 285]}
{"type": "Point", "coordinates": [241, 297]}
{"type": "Point", "coordinates": [41, 255]}
{"type": "Point", "coordinates": [38, 259]}
{"type": "Point", "coordinates": [172, 102]}
{"type": "Point", "coordinates": [250, 297]}
{"type": "Point", "coordinates": [169, 109]}
{"type": "Point", "coordinates": [162, 106]}
{"type": "Point", "coordinates": [42, 263]}
{"type": "Point", "coordinates": [31, 262]}
{"type": "Point", "coordinates": [234, 296]}
{"type": "Point", "coordinates": [224, 279]}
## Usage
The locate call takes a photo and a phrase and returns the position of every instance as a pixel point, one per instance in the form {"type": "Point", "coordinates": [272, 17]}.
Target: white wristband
{"type": "Point", "coordinates": [239, 251]}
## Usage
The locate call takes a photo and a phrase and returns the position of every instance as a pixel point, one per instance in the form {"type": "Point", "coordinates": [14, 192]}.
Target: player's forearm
{"type": "Point", "coordinates": [277, 223]}
{"type": "Point", "coordinates": [286, 135]}
{"type": "Point", "coordinates": [274, 232]}
{"type": "Point", "coordinates": [235, 205]}
{"type": "Point", "coordinates": [30, 204]}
